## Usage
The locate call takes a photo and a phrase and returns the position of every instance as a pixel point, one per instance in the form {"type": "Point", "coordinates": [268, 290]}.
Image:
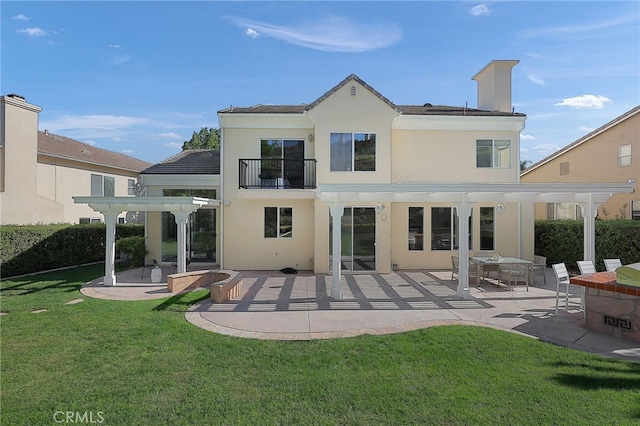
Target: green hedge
{"type": "Point", "coordinates": [34, 248]}
{"type": "Point", "coordinates": [562, 241]}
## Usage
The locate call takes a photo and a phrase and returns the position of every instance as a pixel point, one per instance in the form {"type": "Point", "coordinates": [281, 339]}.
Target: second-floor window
{"type": "Point", "coordinates": [131, 187]}
{"type": "Point", "coordinates": [624, 155]}
{"type": "Point", "coordinates": [103, 186]}
{"type": "Point", "coordinates": [494, 153]}
{"type": "Point", "coordinates": [353, 152]}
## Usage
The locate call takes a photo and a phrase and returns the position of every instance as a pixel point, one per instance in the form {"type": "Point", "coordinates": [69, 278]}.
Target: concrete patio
{"type": "Point", "coordinates": [298, 307]}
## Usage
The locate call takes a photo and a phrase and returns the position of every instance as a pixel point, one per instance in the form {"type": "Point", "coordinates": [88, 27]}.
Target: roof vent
{"type": "Point", "coordinates": [353, 90]}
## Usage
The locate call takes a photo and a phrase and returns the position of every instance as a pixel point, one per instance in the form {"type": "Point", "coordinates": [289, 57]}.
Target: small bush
{"type": "Point", "coordinates": [135, 247]}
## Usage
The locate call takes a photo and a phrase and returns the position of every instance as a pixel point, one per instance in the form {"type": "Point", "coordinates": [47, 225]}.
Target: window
{"type": "Point", "coordinates": [416, 228]}
{"type": "Point", "coordinates": [103, 186]}
{"type": "Point", "coordinates": [121, 220]}
{"type": "Point", "coordinates": [563, 211]}
{"type": "Point", "coordinates": [278, 222]}
{"type": "Point", "coordinates": [131, 187]}
{"type": "Point", "coordinates": [487, 228]}
{"type": "Point", "coordinates": [493, 153]}
{"type": "Point", "coordinates": [635, 209]}
{"type": "Point", "coordinates": [444, 229]}
{"type": "Point", "coordinates": [624, 155]}
{"type": "Point", "coordinates": [353, 152]}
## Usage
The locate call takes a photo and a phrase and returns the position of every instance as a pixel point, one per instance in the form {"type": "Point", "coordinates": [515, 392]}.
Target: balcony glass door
{"type": "Point", "coordinates": [358, 234]}
{"type": "Point", "coordinates": [282, 163]}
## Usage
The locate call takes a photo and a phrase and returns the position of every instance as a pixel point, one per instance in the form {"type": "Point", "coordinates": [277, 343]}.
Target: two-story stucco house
{"type": "Point", "coordinates": [40, 172]}
{"type": "Point", "coordinates": [610, 153]}
{"type": "Point", "coordinates": [353, 183]}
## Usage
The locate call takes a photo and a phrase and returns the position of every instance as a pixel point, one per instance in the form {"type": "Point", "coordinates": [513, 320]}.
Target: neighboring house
{"type": "Point", "coordinates": [349, 183]}
{"type": "Point", "coordinates": [40, 171]}
{"type": "Point", "coordinates": [610, 153]}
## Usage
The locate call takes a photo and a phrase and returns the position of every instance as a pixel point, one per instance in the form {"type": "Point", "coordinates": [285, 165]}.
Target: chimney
{"type": "Point", "coordinates": [494, 85]}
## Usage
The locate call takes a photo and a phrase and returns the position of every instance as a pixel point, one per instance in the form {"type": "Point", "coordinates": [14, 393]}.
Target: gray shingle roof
{"type": "Point", "coordinates": [63, 147]}
{"type": "Point", "coordinates": [426, 109]}
{"type": "Point", "coordinates": [190, 162]}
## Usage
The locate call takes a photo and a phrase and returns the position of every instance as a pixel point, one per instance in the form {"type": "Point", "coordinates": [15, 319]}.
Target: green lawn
{"type": "Point", "coordinates": [139, 363]}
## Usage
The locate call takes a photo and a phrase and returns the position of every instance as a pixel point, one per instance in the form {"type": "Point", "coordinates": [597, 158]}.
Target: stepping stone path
{"type": "Point", "coordinates": [37, 311]}
{"type": "Point", "coordinates": [74, 301]}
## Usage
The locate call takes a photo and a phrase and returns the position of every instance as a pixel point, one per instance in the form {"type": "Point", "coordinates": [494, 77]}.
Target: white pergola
{"type": "Point", "coordinates": [463, 196]}
{"type": "Point", "coordinates": [111, 207]}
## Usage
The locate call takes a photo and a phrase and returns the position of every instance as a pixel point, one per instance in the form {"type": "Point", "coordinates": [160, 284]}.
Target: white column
{"type": "Point", "coordinates": [464, 212]}
{"type": "Point", "coordinates": [337, 210]}
{"type": "Point", "coordinates": [589, 212]}
{"type": "Point", "coordinates": [110, 218]}
{"type": "Point", "coordinates": [181, 222]}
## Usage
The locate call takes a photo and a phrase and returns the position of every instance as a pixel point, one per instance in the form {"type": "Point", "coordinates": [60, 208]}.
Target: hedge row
{"type": "Point", "coordinates": [34, 248]}
{"type": "Point", "coordinates": [562, 241]}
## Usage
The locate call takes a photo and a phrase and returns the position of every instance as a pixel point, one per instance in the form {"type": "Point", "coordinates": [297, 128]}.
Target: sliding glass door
{"type": "Point", "coordinates": [358, 233]}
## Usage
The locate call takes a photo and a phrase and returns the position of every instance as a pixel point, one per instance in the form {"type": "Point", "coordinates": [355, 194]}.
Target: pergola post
{"type": "Point", "coordinates": [589, 212]}
{"type": "Point", "coordinates": [337, 210]}
{"type": "Point", "coordinates": [464, 212]}
{"type": "Point", "coordinates": [181, 221]}
{"type": "Point", "coordinates": [110, 218]}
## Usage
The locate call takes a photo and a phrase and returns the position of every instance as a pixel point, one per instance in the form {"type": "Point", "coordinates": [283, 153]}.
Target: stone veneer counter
{"type": "Point", "coordinates": [610, 308]}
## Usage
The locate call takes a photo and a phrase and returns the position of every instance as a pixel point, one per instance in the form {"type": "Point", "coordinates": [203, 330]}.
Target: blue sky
{"type": "Point", "coordinates": [140, 77]}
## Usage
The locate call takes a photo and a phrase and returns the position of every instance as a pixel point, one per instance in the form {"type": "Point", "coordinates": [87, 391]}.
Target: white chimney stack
{"type": "Point", "coordinates": [494, 85]}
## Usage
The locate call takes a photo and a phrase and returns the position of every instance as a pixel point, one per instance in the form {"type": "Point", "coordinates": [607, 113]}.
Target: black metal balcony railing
{"type": "Point", "coordinates": [277, 173]}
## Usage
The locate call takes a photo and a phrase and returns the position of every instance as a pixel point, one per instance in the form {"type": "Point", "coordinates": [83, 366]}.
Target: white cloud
{"type": "Point", "coordinates": [479, 10]}
{"type": "Point", "coordinates": [95, 125]}
{"type": "Point", "coordinates": [172, 145]}
{"type": "Point", "coordinates": [535, 80]}
{"type": "Point", "coordinates": [32, 32]}
{"type": "Point", "coordinates": [251, 33]}
{"type": "Point", "coordinates": [170, 135]}
{"type": "Point", "coordinates": [585, 102]}
{"type": "Point", "coordinates": [21, 17]}
{"type": "Point", "coordinates": [127, 151]}
{"type": "Point", "coordinates": [332, 34]}
{"type": "Point", "coordinates": [546, 148]}
{"type": "Point", "coordinates": [586, 129]}
{"type": "Point", "coordinates": [115, 46]}
{"type": "Point", "coordinates": [116, 60]}
{"type": "Point", "coordinates": [592, 28]}
{"type": "Point", "coordinates": [90, 142]}
{"type": "Point", "coordinates": [527, 137]}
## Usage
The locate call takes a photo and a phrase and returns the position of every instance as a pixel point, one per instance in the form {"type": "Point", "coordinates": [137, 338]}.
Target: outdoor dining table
{"type": "Point", "coordinates": [507, 260]}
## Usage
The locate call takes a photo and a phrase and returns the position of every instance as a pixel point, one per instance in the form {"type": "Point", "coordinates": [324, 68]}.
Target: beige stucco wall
{"type": "Point", "coordinates": [414, 149]}
{"type": "Point", "coordinates": [20, 202]}
{"type": "Point", "coordinates": [596, 160]}
{"type": "Point", "coordinates": [447, 156]}
{"type": "Point", "coordinates": [39, 188]}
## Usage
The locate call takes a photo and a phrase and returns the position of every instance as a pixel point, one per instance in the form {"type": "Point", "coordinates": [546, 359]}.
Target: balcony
{"type": "Point", "coordinates": [277, 174]}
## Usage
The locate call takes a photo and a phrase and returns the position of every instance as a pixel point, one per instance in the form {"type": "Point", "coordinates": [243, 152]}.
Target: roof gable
{"type": "Point", "coordinates": [351, 78]}
{"type": "Point", "coordinates": [584, 139]}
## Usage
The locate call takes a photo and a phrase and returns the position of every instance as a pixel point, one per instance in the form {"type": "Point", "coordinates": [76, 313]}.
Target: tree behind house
{"type": "Point", "coordinates": [206, 138]}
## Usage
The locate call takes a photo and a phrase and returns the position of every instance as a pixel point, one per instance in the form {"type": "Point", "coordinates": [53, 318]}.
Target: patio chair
{"type": "Point", "coordinates": [539, 268]}
{"type": "Point", "coordinates": [513, 273]}
{"type": "Point", "coordinates": [612, 264]}
{"type": "Point", "coordinates": [586, 267]}
{"type": "Point", "coordinates": [455, 267]}
{"type": "Point", "coordinates": [562, 279]}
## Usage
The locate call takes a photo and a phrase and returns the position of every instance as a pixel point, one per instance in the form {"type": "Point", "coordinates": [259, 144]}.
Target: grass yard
{"type": "Point", "coordinates": [141, 363]}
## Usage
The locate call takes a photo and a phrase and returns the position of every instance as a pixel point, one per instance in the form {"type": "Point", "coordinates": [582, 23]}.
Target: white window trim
{"type": "Point", "coordinates": [493, 153]}
{"type": "Point", "coordinates": [280, 236]}
{"type": "Point", "coordinates": [353, 153]}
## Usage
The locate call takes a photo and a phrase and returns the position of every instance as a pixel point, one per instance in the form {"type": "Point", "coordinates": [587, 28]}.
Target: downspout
{"type": "Point", "coordinates": [522, 126]}
{"type": "Point", "coordinates": [222, 202]}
